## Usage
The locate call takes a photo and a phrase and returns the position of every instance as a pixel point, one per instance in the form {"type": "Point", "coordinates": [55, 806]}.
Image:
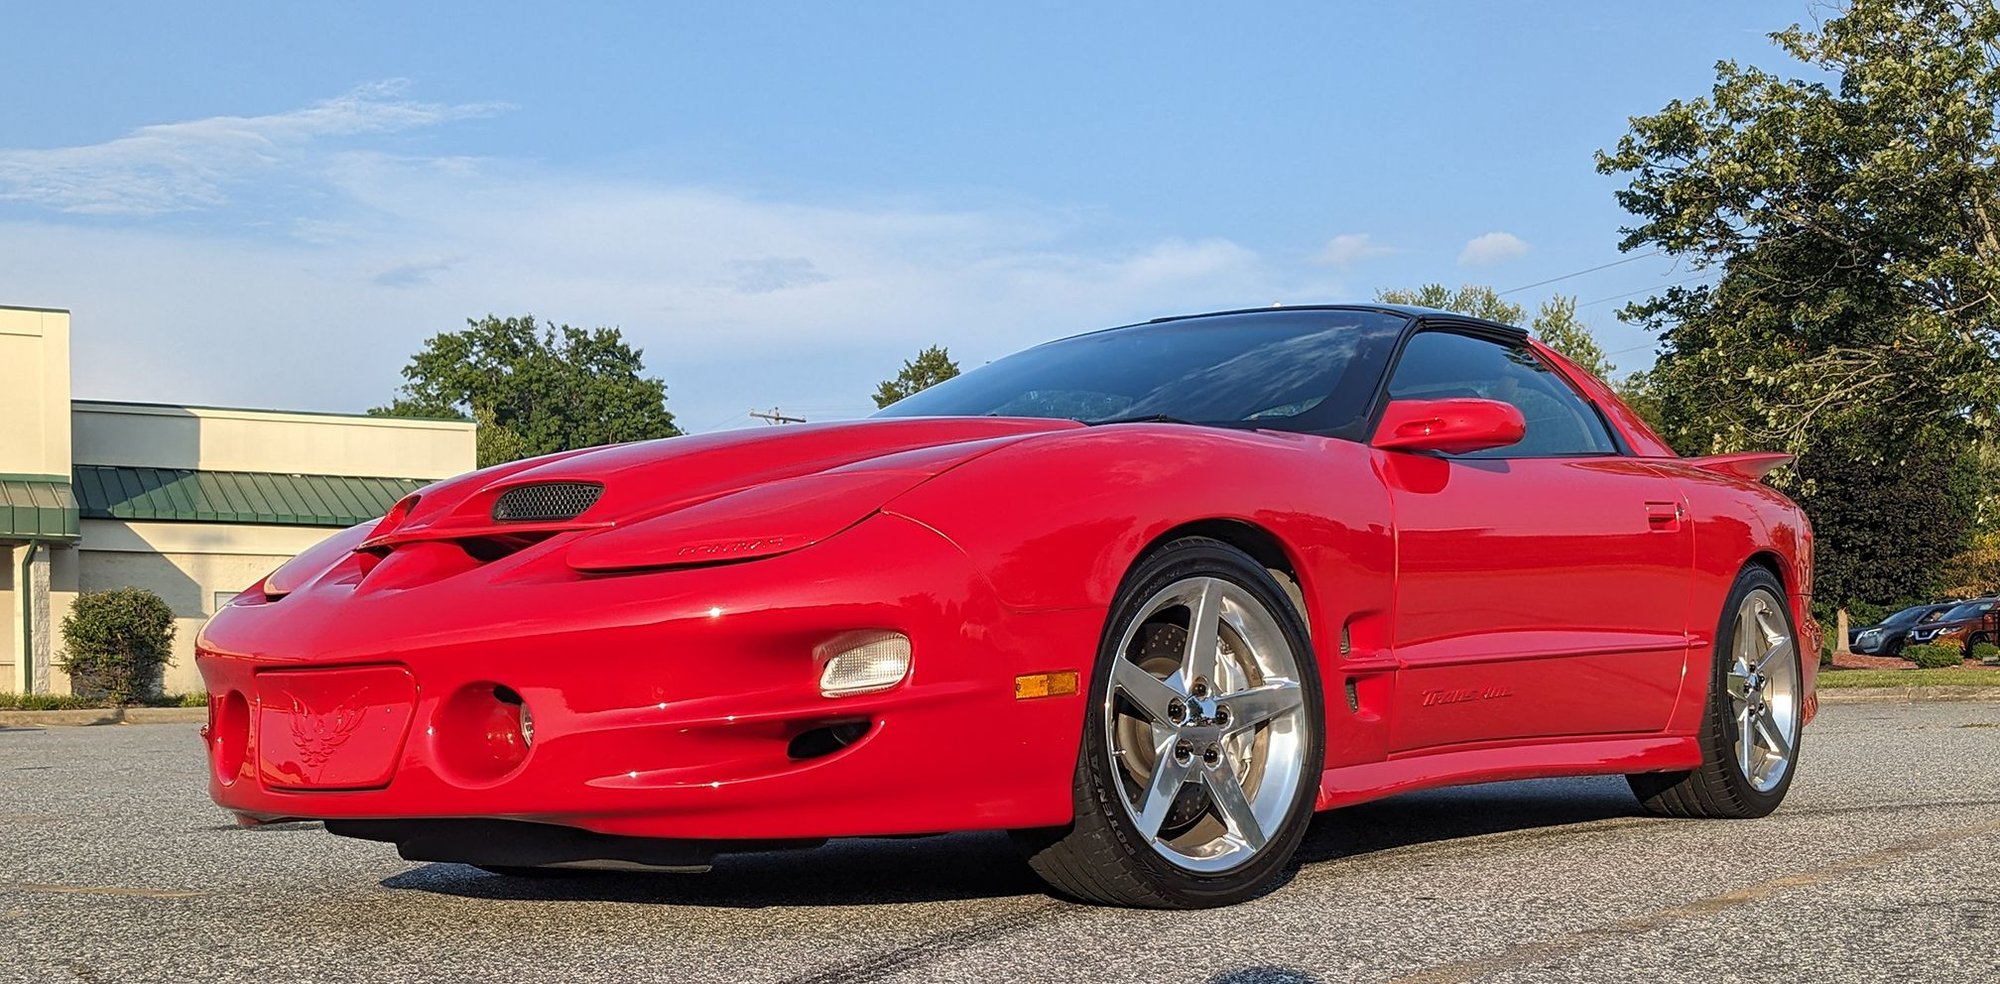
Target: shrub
{"type": "Point", "coordinates": [1932, 656]}
{"type": "Point", "coordinates": [1983, 651]}
{"type": "Point", "coordinates": [115, 642]}
{"type": "Point", "coordinates": [43, 702]}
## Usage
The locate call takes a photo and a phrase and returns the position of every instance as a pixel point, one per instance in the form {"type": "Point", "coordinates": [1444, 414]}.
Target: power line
{"type": "Point", "coordinates": [718, 425]}
{"type": "Point", "coordinates": [1579, 273]}
{"type": "Point", "coordinates": [1642, 290]}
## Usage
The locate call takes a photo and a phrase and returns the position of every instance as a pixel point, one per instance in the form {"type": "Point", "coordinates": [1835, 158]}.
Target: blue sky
{"type": "Point", "coordinates": [780, 202]}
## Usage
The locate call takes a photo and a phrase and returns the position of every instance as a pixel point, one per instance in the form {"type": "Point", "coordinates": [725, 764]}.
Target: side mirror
{"type": "Point", "coordinates": [1450, 426]}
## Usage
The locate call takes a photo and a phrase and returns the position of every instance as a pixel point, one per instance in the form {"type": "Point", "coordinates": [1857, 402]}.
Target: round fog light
{"type": "Point", "coordinates": [863, 662]}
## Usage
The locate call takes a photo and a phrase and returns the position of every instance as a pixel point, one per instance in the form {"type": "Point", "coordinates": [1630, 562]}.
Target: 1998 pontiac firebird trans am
{"type": "Point", "coordinates": [1146, 597]}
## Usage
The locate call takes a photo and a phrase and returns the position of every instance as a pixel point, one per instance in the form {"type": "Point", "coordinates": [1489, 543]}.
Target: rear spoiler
{"type": "Point", "coordinates": [1750, 465]}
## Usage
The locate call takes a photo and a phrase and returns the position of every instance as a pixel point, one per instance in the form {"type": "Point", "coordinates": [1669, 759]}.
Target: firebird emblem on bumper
{"type": "Point", "coordinates": [318, 735]}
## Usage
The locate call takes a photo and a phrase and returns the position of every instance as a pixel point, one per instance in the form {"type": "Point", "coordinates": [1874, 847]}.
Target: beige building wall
{"type": "Point", "coordinates": [221, 439]}
{"type": "Point", "coordinates": [34, 443]}
{"type": "Point", "coordinates": [10, 617]}
{"type": "Point", "coordinates": [34, 392]}
{"type": "Point", "coordinates": [188, 565]}
{"type": "Point", "coordinates": [44, 434]}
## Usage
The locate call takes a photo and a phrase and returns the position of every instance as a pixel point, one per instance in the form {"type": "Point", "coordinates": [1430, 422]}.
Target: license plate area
{"type": "Point", "coordinates": [332, 729]}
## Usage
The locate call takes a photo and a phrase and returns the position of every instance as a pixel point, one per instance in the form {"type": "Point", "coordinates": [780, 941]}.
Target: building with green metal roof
{"type": "Point", "coordinates": [193, 503]}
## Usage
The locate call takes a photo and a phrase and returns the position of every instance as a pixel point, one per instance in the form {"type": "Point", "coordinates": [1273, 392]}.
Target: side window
{"type": "Point", "coordinates": [1438, 365]}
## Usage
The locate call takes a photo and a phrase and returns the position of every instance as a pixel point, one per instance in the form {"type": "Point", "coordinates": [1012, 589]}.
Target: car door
{"type": "Point", "coordinates": [1541, 588]}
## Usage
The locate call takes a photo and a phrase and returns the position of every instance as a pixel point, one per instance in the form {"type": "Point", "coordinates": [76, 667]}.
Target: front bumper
{"type": "Point", "coordinates": [664, 704]}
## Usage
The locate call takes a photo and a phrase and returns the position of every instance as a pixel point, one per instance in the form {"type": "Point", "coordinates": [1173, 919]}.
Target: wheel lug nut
{"type": "Point", "coordinates": [1183, 752]}
{"type": "Point", "coordinates": [1211, 755]}
{"type": "Point", "coordinates": [1199, 690]}
{"type": "Point", "coordinates": [1176, 711]}
{"type": "Point", "coordinates": [1221, 717]}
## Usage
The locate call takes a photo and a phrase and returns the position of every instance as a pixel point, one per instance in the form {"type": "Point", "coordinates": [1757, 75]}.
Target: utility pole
{"type": "Point", "coordinates": [775, 417]}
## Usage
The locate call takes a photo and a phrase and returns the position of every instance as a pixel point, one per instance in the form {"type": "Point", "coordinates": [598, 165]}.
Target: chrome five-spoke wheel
{"type": "Point", "coordinates": [1204, 724]}
{"type": "Point", "coordinates": [1763, 686]}
{"type": "Point", "coordinates": [1749, 734]}
{"type": "Point", "coordinates": [1202, 744]}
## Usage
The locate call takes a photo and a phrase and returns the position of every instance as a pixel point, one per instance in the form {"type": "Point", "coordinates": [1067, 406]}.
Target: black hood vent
{"type": "Point", "coordinates": [545, 502]}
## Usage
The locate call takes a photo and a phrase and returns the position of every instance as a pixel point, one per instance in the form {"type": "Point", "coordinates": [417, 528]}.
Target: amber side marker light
{"type": "Point", "coordinates": [1059, 684]}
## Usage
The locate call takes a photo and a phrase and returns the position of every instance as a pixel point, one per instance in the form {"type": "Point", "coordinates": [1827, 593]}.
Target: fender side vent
{"type": "Point", "coordinates": [545, 502]}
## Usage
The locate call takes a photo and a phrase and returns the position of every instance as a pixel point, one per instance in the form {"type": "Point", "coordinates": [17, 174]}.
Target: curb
{"type": "Point", "coordinates": [1880, 695]}
{"type": "Point", "coordinates": [85, 717]}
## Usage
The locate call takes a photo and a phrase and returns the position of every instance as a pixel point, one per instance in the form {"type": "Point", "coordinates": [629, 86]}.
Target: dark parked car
{"type": "Point", "coordinates": [1968, 624]}
{"type": "Point", "coordinates": [1887, 637]}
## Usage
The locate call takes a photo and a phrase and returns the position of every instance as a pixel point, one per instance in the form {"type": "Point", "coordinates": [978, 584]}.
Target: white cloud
{"type": "Point", "coordinates": [181, 166]}
{"type": "Point", "coordinates": [737, 299]}
{"type": "Point", "coordinates": [1350, 248]}
{"type": "Point", "coordinates": [1492, 248]}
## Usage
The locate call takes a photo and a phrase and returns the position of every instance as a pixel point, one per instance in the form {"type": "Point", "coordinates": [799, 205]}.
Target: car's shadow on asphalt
{"type": "Point", "coordinates": [842, 872]}
{"type": "Point", "coordinates": [1439, 816]}
{"type": "Point", "coordinates": [985, 865]}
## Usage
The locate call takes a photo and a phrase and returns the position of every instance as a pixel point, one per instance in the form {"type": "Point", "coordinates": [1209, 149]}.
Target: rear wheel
{"type": "Point", "coordinates": [1203, 742]}
{"type": "Point", "coordinates": [1750, 732]}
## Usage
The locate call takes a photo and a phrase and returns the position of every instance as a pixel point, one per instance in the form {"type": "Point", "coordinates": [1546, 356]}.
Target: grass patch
{"type": "Point", "coordinates": [67, 702]}
{"type": "Point", "coordinates": [1960, 677]}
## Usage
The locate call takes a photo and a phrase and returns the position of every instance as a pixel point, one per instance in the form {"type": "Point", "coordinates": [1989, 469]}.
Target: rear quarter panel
{"type": "Point", "coordinates": [1737, 522]}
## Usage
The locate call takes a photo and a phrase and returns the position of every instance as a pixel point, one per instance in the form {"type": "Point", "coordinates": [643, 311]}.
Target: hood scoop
{"type": "Point", "coordinates": [545, 502]}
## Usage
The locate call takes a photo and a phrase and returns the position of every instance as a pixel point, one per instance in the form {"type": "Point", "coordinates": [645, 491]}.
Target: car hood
{"type": "Point", "coordinates": [717, 497]}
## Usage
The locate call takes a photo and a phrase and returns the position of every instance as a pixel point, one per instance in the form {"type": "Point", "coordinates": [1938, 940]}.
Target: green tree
{"type": "Point", "coordinates": [931, 367]}
{"type": "Point", "coordinates": [1557, 325]}
{"type": "Point", "coordinates": [1637, 391]}
{"type": "Point", "coordinates": [534, 390]}
{"type": "Point", "coordinates": [1475, 300]}
{"type": "Point", "coordinates": [1854, 316]}
{"type": "Point", "coordinates": [115, 642]}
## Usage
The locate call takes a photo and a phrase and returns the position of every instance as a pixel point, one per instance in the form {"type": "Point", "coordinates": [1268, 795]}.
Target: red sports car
{"type": "Point", "coordinates": [1148, 597]}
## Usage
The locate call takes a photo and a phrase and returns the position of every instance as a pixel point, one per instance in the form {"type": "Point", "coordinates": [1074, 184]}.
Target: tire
{"type": "Point", "coordinates": [1893, 649]}
{"type": "Point", "coordinates": [1978, 639]}
{"type": "Point", "coordinates": [1218, 758]}
{"type": "Point", "coordinates": [1756, 677]}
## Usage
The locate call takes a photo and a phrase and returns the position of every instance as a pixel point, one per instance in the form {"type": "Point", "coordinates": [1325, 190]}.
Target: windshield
{"type": "Point", "coordinates": [1302, 370]}
{"type": "Point", "coordinates": [1910, 614]}
{"type": "Point", "coordinates": [1971, 609]}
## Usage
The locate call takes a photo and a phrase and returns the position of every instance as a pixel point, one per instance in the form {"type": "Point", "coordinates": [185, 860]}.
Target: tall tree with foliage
{"type": "Point", "coordinates": [931, 367]}
{"type": "Point", "coordinates": [1557, 325]}
{"type": "Point", "coordinates": [1851, 224]}
{"type": "Point", "coordinates": [534, 389]}
{"type": "Point", "coordinates": [1555, 322]}
{"type": "Point", "coordinates": [1474, 300]}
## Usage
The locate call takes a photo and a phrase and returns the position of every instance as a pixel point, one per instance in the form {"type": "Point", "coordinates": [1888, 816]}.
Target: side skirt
{"type": "Point", "coordinates": [1351, 784]}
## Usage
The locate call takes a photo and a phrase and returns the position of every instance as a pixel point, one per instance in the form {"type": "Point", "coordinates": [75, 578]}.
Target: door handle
{"type": "Point", "coordinates": [1664, 517]}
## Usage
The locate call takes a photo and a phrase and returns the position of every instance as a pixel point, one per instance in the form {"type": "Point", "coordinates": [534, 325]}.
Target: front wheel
{"type": "Point", "coordinates": [1750, 731]}
{"type": "Point", "coordinates": [1202, 746]}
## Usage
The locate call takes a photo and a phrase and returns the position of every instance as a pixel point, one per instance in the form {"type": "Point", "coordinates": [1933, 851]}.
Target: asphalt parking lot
{"type": "Point", "coordinates": [1884, 864]}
